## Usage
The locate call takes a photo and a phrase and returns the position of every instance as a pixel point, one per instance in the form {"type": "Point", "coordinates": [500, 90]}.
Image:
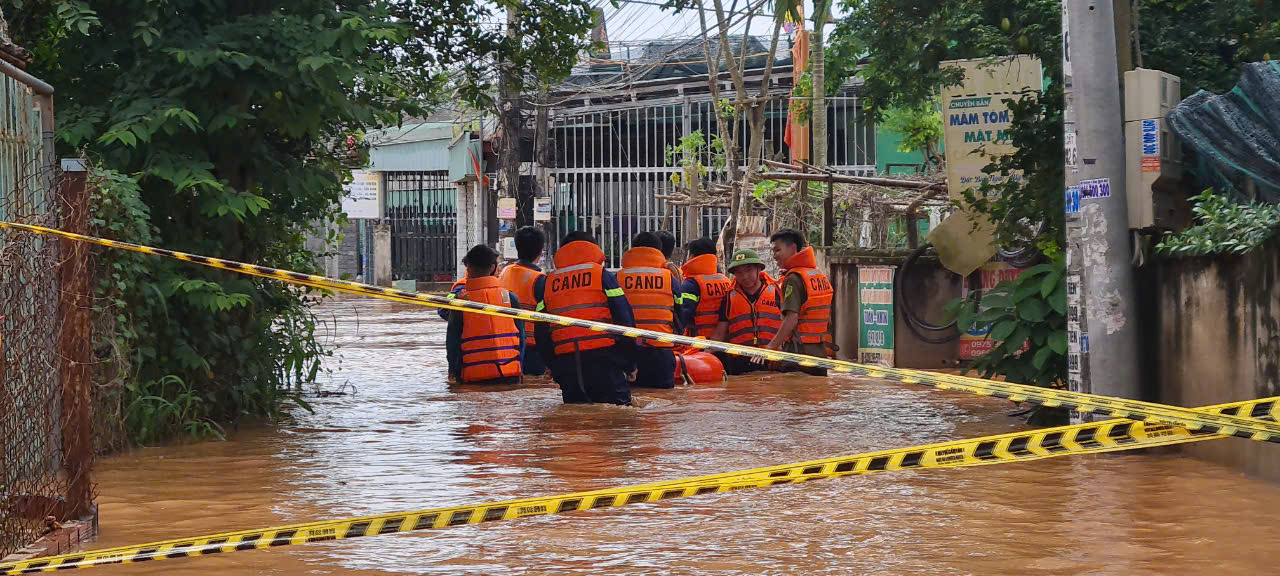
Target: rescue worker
{"type": "Point", "coordinates": [653, 293]}
{"type": "Point", "coordinates": [527, 281]}
{"type": "Point", "coordinates": [484, 349]}
{"type": "Point", "coordinates": [669, 248]}
{"type": "Point", "coordinates": [750, 314]}
{"type": "Point", "coordinates": [589, 366]}
{"type": "Point", "coordinates": [703, 289]}
{"type": "Point", "coordinates": [454, 290]}
{"type": "Point", "coordinates": [806, 302]}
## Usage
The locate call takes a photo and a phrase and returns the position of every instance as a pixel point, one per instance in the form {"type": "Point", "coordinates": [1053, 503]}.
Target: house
{"type": "Point", "coordinates": [601, 158]}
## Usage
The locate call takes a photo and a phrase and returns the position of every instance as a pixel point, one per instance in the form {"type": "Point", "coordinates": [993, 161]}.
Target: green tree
{"type": "Point", "coordinates": [218, 127]}
{"type": "Point", "coordinates": [898, 47]}
{"type": "Point", "coordinates": [921, 130]}
{"type": "Point", "coordinates": [1206, 43]}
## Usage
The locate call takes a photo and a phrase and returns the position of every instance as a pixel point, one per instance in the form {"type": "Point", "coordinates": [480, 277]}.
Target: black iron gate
{"type": "Point", "coordinates": [423, 210]}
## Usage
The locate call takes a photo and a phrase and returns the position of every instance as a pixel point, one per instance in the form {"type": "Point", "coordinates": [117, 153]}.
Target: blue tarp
{"type": "Point", "coordinates": [1238, 131]}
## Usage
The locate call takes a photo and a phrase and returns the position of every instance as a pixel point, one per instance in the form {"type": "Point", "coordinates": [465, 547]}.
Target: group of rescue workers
{"type": "Point", "coordinates": [791, 313]}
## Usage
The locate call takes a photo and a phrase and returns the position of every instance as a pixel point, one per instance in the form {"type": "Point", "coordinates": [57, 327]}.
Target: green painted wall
{"type": "Point", "coordinates": [887, 153]}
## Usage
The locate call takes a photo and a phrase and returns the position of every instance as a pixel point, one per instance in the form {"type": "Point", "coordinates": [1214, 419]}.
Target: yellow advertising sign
{"type": "Point", "coordinates": [976, 120]}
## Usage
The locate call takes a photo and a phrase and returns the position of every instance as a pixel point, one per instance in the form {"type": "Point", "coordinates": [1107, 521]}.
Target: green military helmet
{"type": "Point", "coordinates": [743, 257]}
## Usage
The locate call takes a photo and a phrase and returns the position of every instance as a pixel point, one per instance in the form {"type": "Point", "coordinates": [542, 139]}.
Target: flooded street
{"type": "Point", "coordinates": [401, 439]}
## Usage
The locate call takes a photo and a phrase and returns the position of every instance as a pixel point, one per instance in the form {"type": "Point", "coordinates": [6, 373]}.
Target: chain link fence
{"type": "Point", "coordinates": [33, 481]}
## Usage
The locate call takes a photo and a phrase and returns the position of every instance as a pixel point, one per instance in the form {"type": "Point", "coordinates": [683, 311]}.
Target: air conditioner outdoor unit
{"type": "Point", "coordinates": [1151, 152]}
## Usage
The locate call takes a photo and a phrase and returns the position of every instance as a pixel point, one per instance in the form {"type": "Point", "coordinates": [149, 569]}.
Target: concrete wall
{"type": "Point", "coordinates": [1219, 341]}
{"type": "Point", "coordinates": [929, 286]}
{"type": "Point", "coordinates": [341, 260]}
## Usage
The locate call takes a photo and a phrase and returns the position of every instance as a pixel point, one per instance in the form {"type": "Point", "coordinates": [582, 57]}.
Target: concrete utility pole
{"type": "Point", "coordinates": [1110, 337]}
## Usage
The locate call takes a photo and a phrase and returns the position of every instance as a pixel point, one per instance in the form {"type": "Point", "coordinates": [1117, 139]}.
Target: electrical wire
{"type": "Point", "coordinates": [918, 326]}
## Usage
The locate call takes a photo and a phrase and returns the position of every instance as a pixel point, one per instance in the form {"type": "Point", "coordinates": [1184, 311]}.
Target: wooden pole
{"type": "Point", "coordinates": [845, 179]}
{"type": "Point", "coordinates": [74, 346]}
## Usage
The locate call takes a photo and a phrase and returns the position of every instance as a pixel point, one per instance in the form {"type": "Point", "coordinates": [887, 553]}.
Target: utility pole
{"type": "Point", "coordinates": [1077, 348]}
{"type": "Point", "coordinates": [1108, 333]}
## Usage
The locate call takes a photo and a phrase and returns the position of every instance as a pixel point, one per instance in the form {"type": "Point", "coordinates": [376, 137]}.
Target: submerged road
{"type": "Point", "coordinates": [400, 438]}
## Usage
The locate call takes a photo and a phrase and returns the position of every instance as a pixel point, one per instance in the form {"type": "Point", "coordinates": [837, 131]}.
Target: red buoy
{"type": "Point", "coordinates": [698, 368]}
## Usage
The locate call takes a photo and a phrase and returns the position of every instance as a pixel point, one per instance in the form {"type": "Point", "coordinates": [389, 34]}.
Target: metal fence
{"type": "Point", "coordinates": [613, 176]}
{"type": "Point", "coordinates": [32, 482]}
{"type": "Point", "coordinates": [422, 208]}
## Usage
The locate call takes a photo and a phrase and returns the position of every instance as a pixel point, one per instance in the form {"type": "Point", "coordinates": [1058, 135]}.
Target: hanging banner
{"type": "Point", "coordinates": [976, 120]}
{"type": "Point", "coordinates": [875, 326]}
{"type": "Point", "coordinates": [362, 198]}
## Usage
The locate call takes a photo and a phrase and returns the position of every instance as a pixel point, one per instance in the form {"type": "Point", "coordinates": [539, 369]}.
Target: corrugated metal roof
{"type": "Point", "coordinates": [413, 147]}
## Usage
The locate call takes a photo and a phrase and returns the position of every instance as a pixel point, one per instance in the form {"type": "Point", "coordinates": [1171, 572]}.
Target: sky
{"type": "Point", "coordinates": [638, 20]}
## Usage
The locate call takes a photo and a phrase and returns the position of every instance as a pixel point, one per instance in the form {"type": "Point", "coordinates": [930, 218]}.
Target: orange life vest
{"type": "Point", "coordinates": [519, 280]}
{"type": "Point", "coordinates": [712, 286]}
{"type": "Point", "coordinates": [815, 313]}
{"type": "Point", "coordinates": [456, 283]}
{"type": "Point", "coordinates": [648, 284]}
{"type": "Point", "coordinates": [490, 344]}
{"type": "Point", "coordinates": [576, 289]}
{"type": "Point", "coordinates": [755, 323]}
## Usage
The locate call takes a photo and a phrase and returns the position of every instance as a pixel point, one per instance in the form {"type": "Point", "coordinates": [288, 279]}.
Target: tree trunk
{"type": "Point", "coordinates": [692, 213]}
{"type": "Point", "coordinates": [818, 115]}
{"type": "Point", "coordinates": [544, 185]}
{"type": "Point", "coordinates": [509, 115]}
{"type": "Point", "coordinates": [726, 132]}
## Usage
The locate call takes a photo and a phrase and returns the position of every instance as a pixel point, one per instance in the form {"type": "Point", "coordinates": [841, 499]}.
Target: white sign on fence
{"type": "Point", "coordinates": [362, 198]}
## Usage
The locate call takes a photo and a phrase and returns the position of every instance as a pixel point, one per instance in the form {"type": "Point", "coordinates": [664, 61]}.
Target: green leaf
{"type": "Point", "coordinates": [1036, 270]}
{"type": "Point", "coordinates": [1050, 283]}
{"type": "Point", "coordinates": [991, 315]}
{"type": "Point", "coordinates": [1032, 310]}
{"type": "Point", "coordinates": [1058, 299]}
{"type": "Point", "coordinates": [997, 298]}
{"type": "Point", "coordinates": [1058, 341]}
{"type": "Point", "coordinates": [1002, 330]}
{"type": "Point", "coordinates": [1042, 356]}
{"type": "Point", "coordinates": [1017, 339]}
{"type": "Point", "coordinates": [315, 62]}
{"type": "Point", "coordinates": [1024, 291]}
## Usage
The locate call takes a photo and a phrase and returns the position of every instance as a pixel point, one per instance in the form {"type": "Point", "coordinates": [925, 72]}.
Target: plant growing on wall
{"type": "Point", "coordinates": [1223, 227]}
{"type": "Point", "coordinates": [1028, 320]}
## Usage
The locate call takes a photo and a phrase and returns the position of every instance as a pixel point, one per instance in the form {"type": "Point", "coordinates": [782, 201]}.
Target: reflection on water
{"type": "Point", "coordinates": [401, 439]}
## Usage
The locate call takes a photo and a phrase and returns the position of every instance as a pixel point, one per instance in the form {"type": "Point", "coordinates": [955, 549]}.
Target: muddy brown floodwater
{"type": "Point", "coordinates": [402, 440]}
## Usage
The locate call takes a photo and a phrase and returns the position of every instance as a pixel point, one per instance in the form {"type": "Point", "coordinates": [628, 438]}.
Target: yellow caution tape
{"type": "Point", "coordinates": [1150, 412]}
{"type": "Point", "coordinates": [1108, 436]}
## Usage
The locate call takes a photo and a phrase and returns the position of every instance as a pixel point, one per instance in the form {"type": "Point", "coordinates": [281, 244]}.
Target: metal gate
{"type": "Point", "coordinates": [422, 208]}
{"type": "Point", "coordinates": [613, 174]}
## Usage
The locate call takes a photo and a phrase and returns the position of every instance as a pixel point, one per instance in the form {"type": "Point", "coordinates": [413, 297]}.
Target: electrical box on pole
{"type": "Point", "coordinates": [1151, 154]}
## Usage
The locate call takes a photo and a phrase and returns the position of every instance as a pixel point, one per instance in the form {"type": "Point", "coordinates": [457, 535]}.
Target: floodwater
{"type": "Point", "coordinates": [400, 439]}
